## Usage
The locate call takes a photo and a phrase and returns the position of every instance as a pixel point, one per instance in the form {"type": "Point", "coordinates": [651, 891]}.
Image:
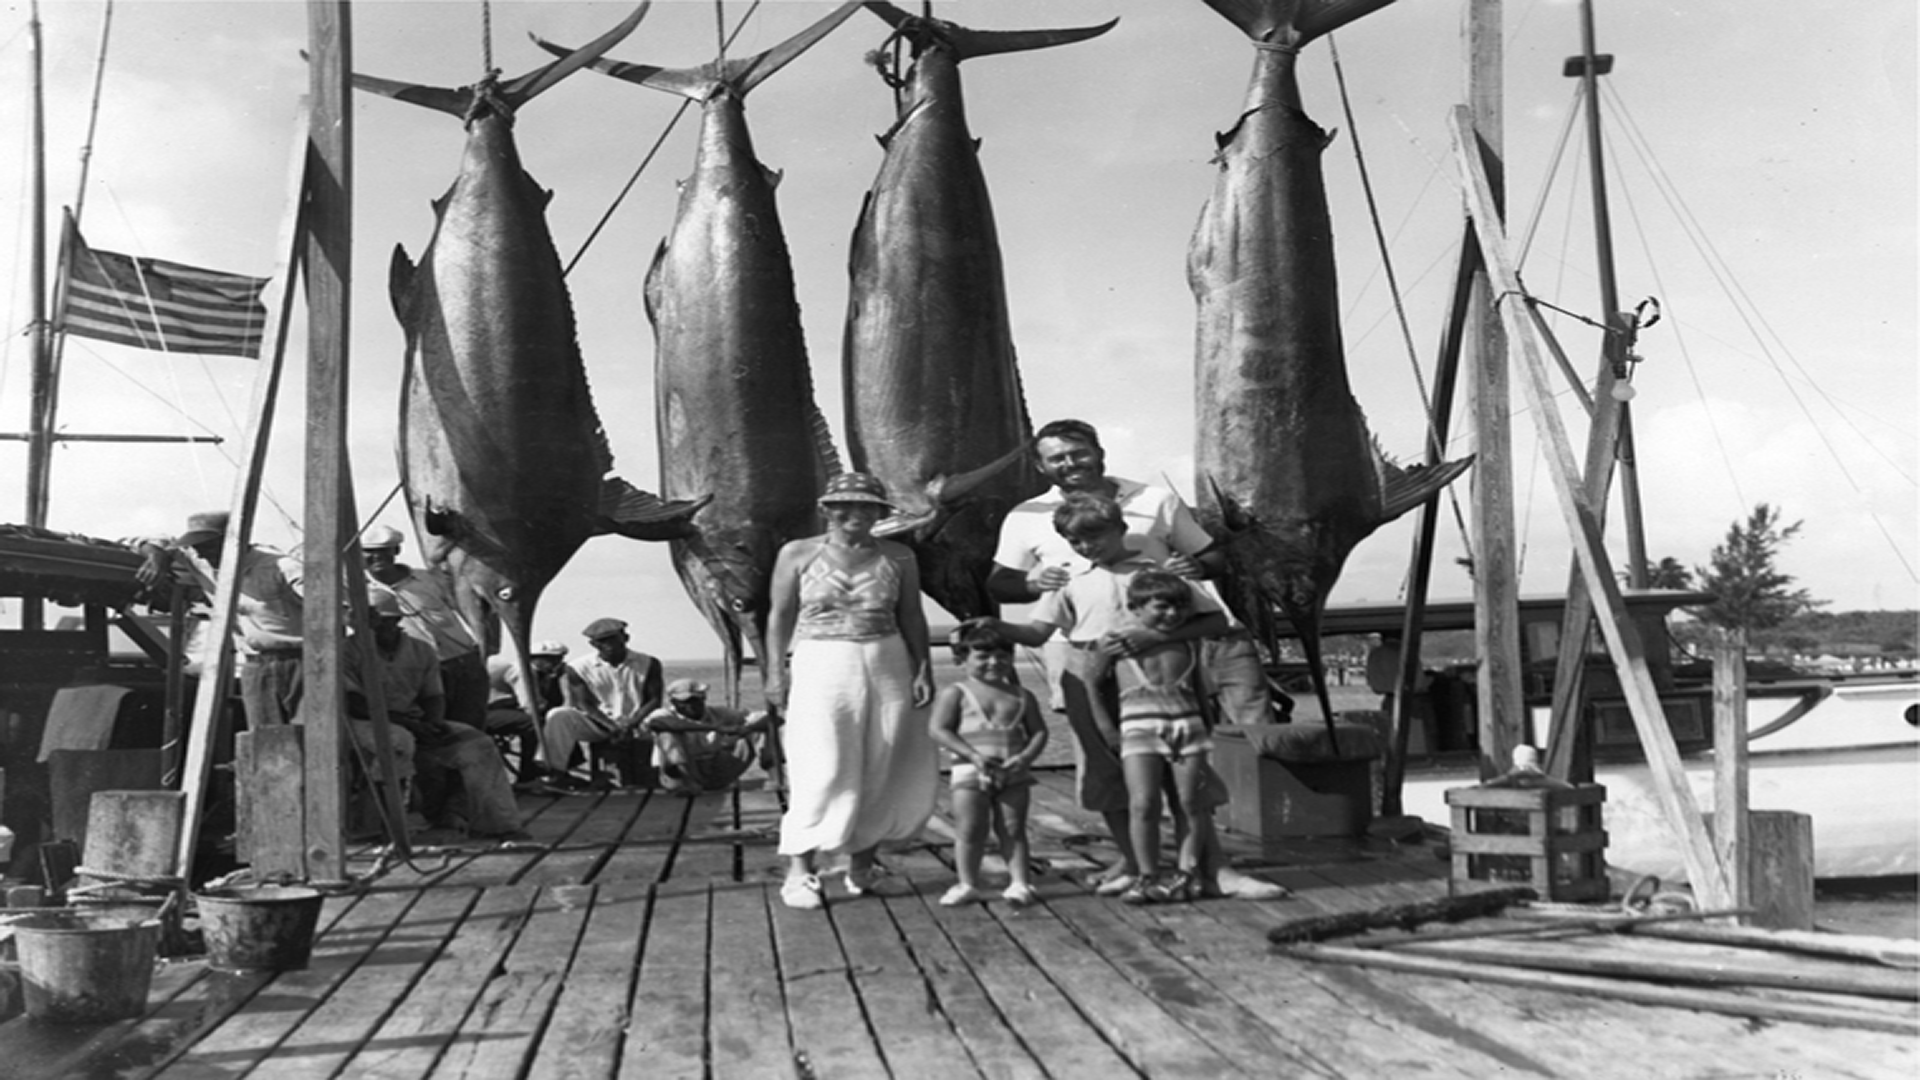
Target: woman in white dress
{"type": "Point", "coordinates": [861, 767]}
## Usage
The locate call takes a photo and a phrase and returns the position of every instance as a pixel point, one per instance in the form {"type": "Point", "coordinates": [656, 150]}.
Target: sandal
{"type": "Point", "coordinates": [1019, 895]}
{"type": "Point", "coordinates": [960, 896]}
{"type": "Point", "coordinates": [1136, 893]}
{"type": "Point", "coordinates": [802, 893]}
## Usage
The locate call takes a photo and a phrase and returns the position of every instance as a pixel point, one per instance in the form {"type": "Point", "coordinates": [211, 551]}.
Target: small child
{"type": "Point", "coordinates": [1163, 728]}
{"type": "Point", "coordinates": [995, 730]}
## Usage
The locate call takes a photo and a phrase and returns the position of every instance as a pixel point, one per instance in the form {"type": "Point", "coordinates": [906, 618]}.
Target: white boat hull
{"type": "Point", "coordinates": [1852, 763]}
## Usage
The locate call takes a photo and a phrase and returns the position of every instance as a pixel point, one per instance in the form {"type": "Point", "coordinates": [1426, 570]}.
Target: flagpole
{"type": "Point", "coordinates": [58, 349]}
{"type": "Point", "coordinates": [40, 419]}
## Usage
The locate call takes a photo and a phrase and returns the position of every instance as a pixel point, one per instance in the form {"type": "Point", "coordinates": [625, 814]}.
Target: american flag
{"type": "Point", "coordinates": [155, 304]}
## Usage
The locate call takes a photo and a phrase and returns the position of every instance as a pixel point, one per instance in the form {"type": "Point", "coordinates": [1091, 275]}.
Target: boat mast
{"type": "Point", "coordinates": [40, 419]}
{"type": "Point", "coordinates": [1589, 66]}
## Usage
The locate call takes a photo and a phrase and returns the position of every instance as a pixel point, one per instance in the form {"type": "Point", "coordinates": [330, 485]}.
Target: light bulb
{"type": "Point", "coordinates": [1623, 392]}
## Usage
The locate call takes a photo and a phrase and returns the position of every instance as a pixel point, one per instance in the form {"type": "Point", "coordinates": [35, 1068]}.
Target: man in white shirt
{"type": "Point", "coordinates": [609, 695]}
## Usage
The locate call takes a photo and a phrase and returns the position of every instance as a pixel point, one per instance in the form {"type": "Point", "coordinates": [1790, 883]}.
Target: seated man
{"type": "Point", "coordinates": [461, 781]}
{"type": "Point", "coordinates": [507, 718]}
{"type": "Point", "coordinates": [698, 747]}
{"type": "Point", "coordinates": [608, 694]}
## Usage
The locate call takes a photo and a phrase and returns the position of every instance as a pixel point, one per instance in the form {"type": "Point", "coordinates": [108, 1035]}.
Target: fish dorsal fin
{"type": "Point", "coordinates": [642, 515]}
{"type": "Point", "coordinates": [823, 446]}
{"type": "Point", "coordinates": [741, 76]}
{"type": "Point", "coordinates": [515, 93]}
{"type": "Point", "coordinates": [1292, 22]}
{"type": "Point", "coordinates": [966, 43]}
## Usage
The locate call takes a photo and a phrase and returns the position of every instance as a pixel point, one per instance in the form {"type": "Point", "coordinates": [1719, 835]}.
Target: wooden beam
{"type": "Point", "coordinates": [211, 694]}
{"type": "Point", "coordinates": [328, 261]}
{"type": "Point", "coordinates": [1496, 585]}
{"type": "Point", "coordinates": [1732, 831]}
{"type": "Point", "coordinates": [1623, 638]}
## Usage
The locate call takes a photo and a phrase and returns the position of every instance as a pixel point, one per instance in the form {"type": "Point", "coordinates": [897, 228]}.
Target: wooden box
{"type": "Point", "coordinates": [1285, 784]}
{"type": "Point", "coordinates": [1547, 837]}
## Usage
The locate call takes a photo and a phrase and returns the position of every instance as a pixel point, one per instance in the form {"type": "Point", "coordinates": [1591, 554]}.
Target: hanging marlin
{"type": "Point", "coordinates": [733, 393]}
{"type": "Point", "coordinates": [932, 391]}
{"type": "Point", "coordinates": [502, 456]}
{"type": "Point", "coordinates": [1289, 477]}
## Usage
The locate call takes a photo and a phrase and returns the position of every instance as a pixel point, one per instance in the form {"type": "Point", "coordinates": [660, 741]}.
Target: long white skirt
{"type": "Point", "coordinates": [861, 768]}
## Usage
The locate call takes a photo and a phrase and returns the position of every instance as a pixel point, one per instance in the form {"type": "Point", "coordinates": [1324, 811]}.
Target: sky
{"type": "Point", "coordinates": [1783, 370]}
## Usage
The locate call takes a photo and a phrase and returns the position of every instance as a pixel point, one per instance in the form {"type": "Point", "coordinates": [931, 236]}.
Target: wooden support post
{"type": "Point", "coordinates": [1496, 587]}
{"type": "Point", "coordinates": [1730, 833]}
{"type": "Point", "coordinates": [327, 258]}
{"type": "Point", "coordinates": [1623, 638]}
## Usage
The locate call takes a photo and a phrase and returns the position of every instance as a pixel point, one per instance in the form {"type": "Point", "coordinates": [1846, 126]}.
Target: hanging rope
{"type": "Point", "coordinates": [614, 206]}
{"type": "Point", "coordinates": [486, 36]}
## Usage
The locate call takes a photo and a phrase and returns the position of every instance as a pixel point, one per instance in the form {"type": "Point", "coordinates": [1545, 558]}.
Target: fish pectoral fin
{"type": "Point", "coordinates": [440, 522]}
{"type": "Point", "coordinates": [1403, 489]}
{"type": "Point", "coordinates": [895, 525]}
{"type": "Point", "coordinates": [948, 490]}
{"type": "Point", "coordinates": [642, 515]}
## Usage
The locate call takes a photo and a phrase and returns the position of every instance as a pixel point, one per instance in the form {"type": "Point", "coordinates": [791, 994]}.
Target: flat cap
{"type": "Point", "coordinates": [686, 688]}
{"type": "Point", "coordinates": [600, 628]}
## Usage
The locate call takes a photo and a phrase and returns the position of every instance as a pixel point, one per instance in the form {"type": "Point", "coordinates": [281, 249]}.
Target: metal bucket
{"type": "Point", "coordinates": [87, 965]}
{"type": "Point", "coordinates": [259, 927]}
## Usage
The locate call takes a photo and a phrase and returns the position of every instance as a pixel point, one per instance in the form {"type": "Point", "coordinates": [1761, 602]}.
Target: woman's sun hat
{"type": "Point", "coordinates": [856, 487]}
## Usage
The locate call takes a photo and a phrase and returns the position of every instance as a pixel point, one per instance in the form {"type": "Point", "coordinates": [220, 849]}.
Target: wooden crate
{"type": "Point", "coordinates": [1548, 837]}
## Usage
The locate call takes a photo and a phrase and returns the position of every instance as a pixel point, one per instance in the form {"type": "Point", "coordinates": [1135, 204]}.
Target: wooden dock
{"type": "Point", "coordinates": [641, 935]}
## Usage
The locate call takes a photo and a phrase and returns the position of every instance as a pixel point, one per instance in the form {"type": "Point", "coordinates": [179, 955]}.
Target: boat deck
{"type": "Point", "coordinates": [642, 936]}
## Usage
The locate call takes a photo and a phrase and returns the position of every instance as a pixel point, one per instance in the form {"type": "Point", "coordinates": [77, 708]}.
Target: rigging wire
{"type": "Point", "coordinates": [1547, 183]}
{"type": "Point", "coordinates": [1393, 285]}
{"type": "Point", "coordinates": [652, 151]}
{"type": "Point", "coordinates": [1755, 320]}
{"type": "Point", "coordinates": [486, 36]}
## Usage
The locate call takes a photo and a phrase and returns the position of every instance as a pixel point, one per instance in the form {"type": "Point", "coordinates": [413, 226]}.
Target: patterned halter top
{"type": "Point", "coordinates": [848, 605]}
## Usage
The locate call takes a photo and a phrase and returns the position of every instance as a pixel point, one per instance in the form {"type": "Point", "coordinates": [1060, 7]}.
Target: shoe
{"type": "Point", "coordinates": [860, 881]}
{"type": "Point", "coordinates": [1116, 885]}
{"type": "Point", "coordinates": [960, 896]}
{"type": "Point", "coordinates": [1019, 895]}
{"type": "Point", "coordinates": [1136, 894]}
{"type": "Point", "coordinates": [1174, 888]}
{"type": "Point", "coordinates": [802, 893]}
{"type": "Point", "coordinates": [1239, 886]}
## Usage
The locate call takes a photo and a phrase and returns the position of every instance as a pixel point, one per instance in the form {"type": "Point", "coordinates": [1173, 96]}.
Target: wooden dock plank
{"type": "Point", "coordinates": [334, 1032]}
{"type": "Point", "coordinates": [645, 850]}
{"type": "Point", "coordinates": [831, 1033]}
{"type": "Point", "coordinates": [989, 1040]}
{"type": "Point", "coordinates": [1039, 1015]}
{"type": "Point", "coordinates": [251, 1035]}
{"type": "Point", "coordinates": [1375, 1033]}
{"type": "Point", "coordinates": [497, 1038]}
{"type": "Point", "coordinates": [590, 1018]}
{"type": "Point", "coordinates": [575, 859]}
{"type": "Point", "coordinates": [914, 1035]}
{"type": "Point", "coordinates": [666, 1036]}
{"type": "Point", "coordinates": [1126, 938]}
{"type": "Point", "coordinates": [415, 1034]}
{"type": "Point", "coordinates": [749, 1027]}
{"type": "Point", "coordinates": [706, 850]}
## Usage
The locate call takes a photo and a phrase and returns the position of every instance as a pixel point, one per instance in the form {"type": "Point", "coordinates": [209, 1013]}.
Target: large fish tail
{"type": "Point", "coordinates": [966, 44]}
{"type": "Point", "coordinates": [513, 93]}
{"type": "Point", "coordinates": [1293, 22]}
{"type": "Point", "coordinates": [742, 75]}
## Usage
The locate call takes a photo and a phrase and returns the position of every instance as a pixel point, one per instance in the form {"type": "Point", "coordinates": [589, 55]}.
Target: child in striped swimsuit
{"type": "Point", "coordinates": [995, 730]}
{"type": "Point", "coordinates": [1162, 729]}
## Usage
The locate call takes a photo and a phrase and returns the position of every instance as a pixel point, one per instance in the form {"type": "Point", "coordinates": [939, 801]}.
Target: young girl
{"type": "Point", "coordinates": [1162, 728]}
{"type": "Point", "coordinates": [995, 730]}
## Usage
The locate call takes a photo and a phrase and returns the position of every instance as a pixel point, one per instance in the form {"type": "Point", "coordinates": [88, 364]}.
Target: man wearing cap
{"type": "Point", "coordinates": [505, 716]}
{"type": "Point", "coordinates": [430, 614]}
{"type": "Point", "coordinates": [267, 619]}
{"type": "Point", "coordinates": [462, 782]}
{"type": "Point", "coordinates": [699, 747]}
{"type": "Point", "coordinates": [610, 693]}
